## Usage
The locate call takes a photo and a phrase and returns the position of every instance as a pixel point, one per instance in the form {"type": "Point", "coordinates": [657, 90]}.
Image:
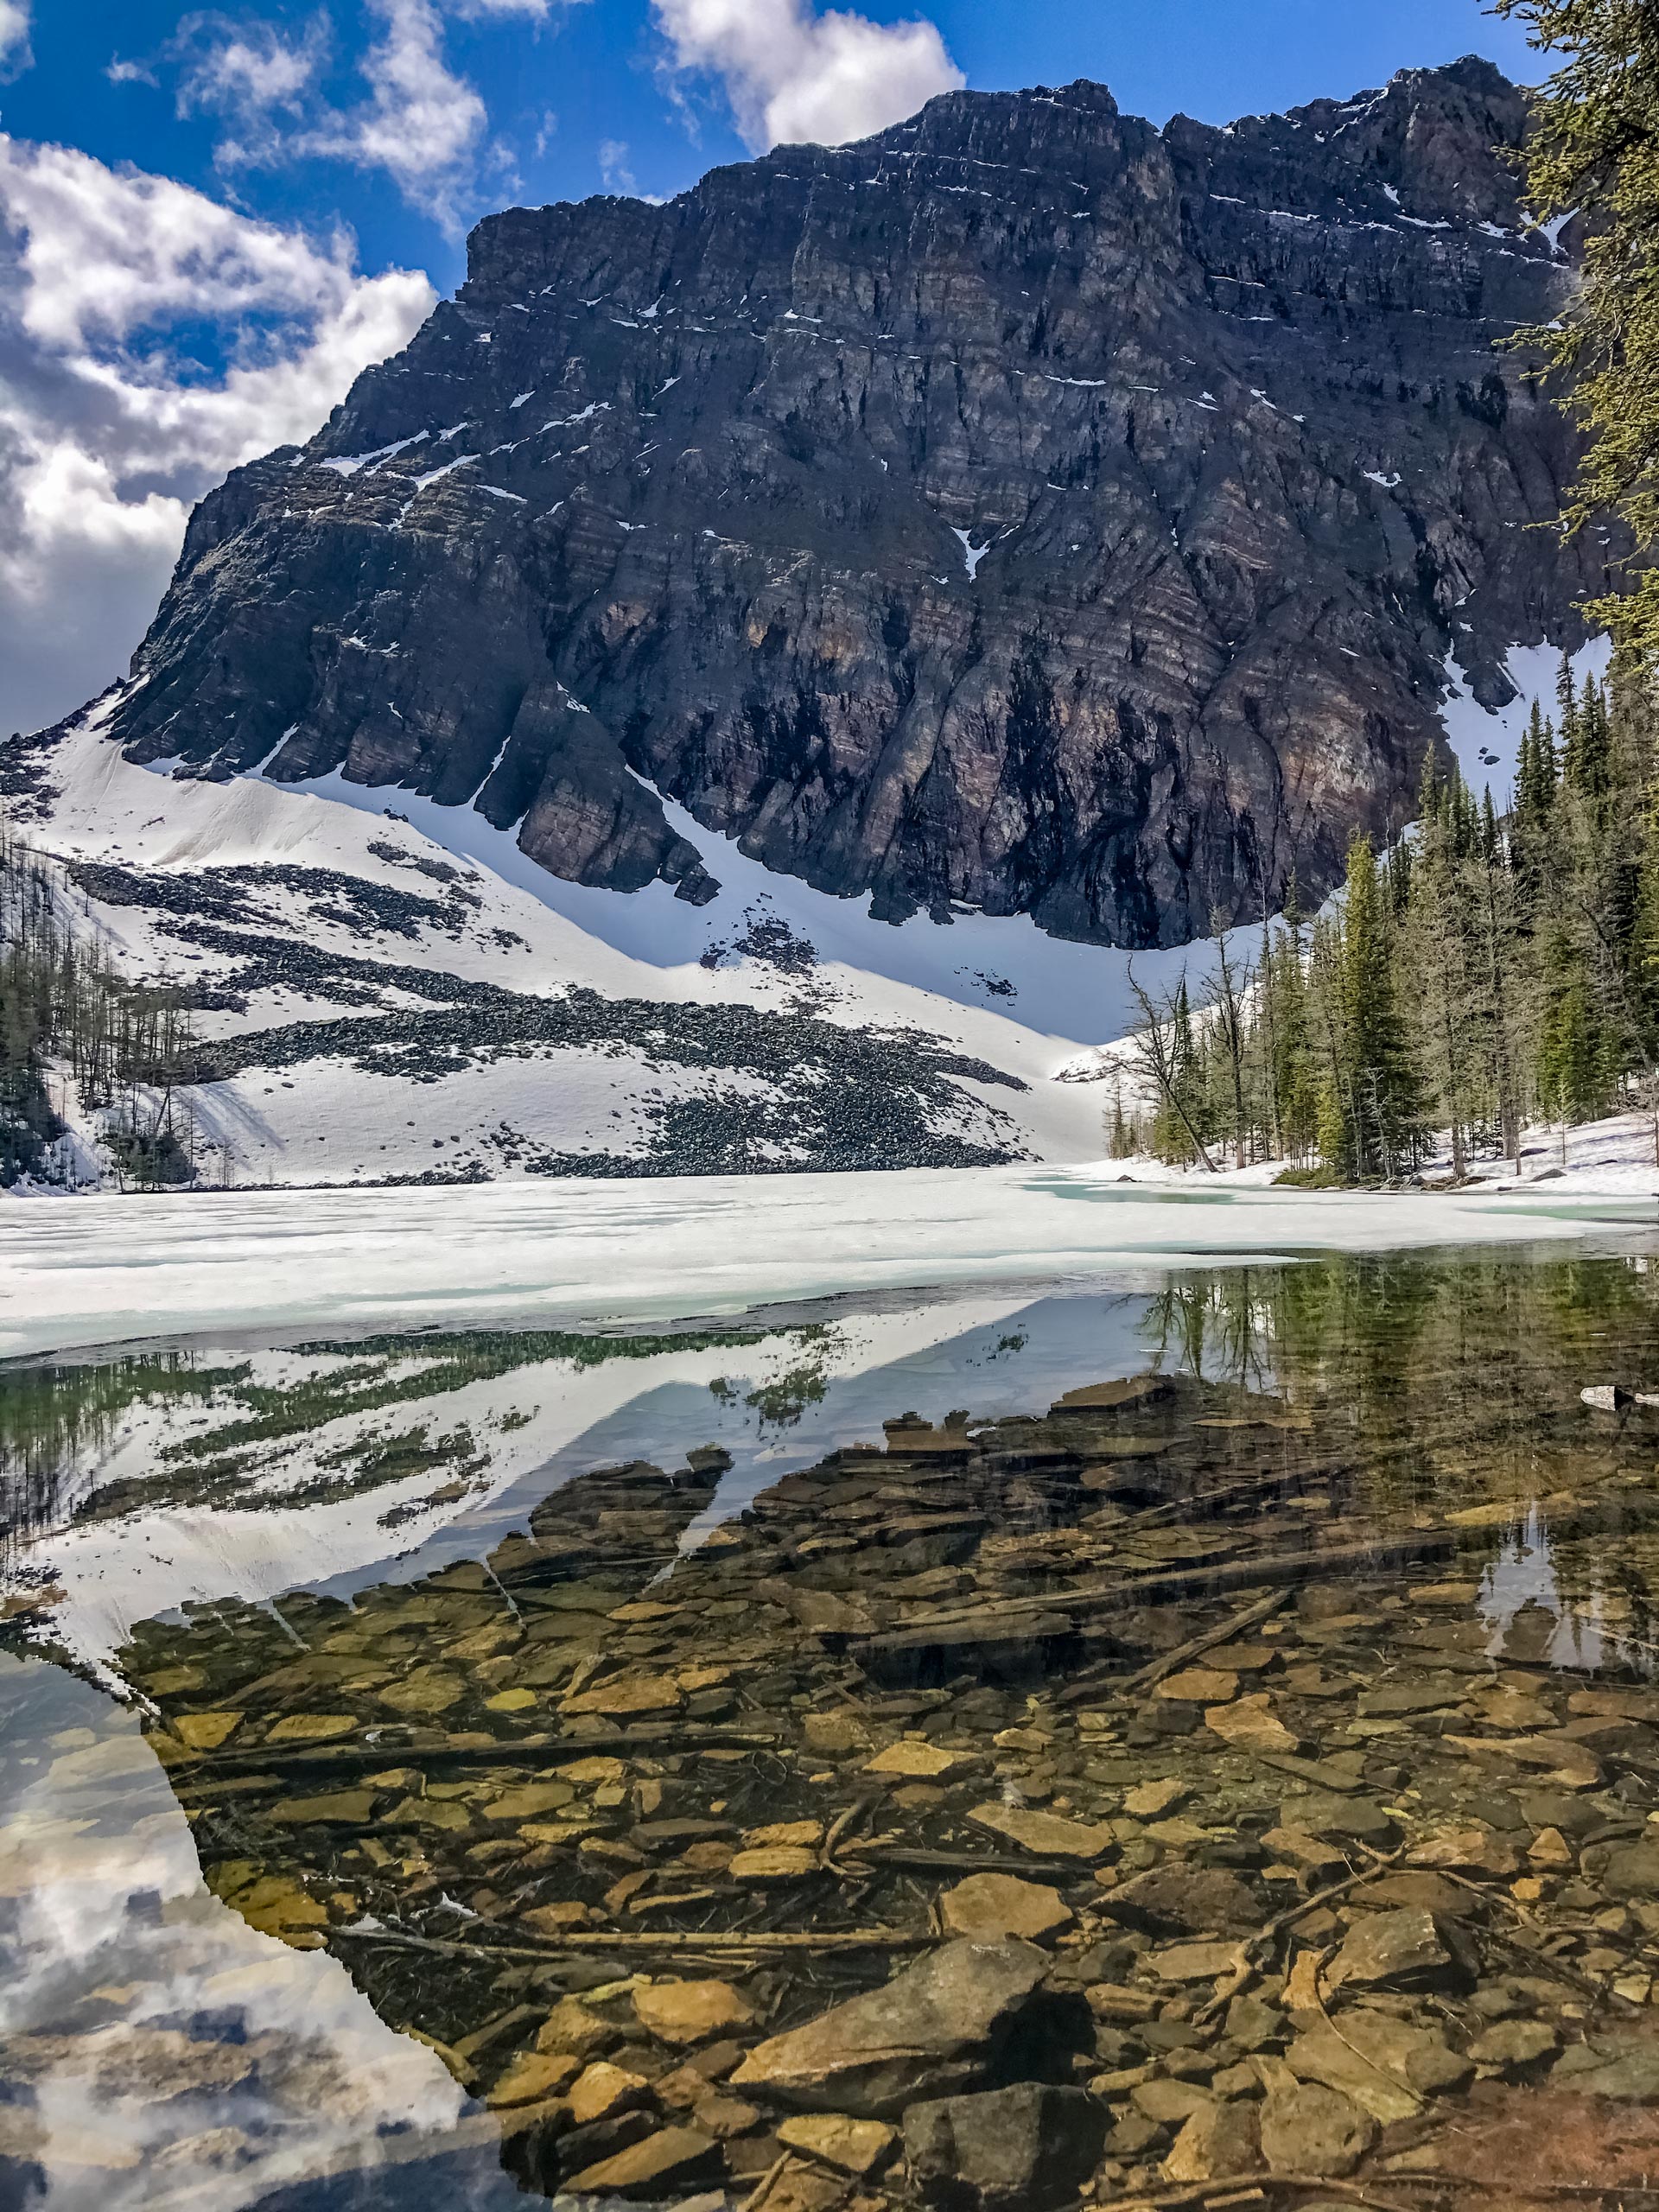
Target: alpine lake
{"type": "Point", "coordinates": [1186, 1740]}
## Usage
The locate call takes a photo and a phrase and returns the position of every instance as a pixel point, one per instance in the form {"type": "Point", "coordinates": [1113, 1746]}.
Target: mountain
{"type": "Point", "coordinates": [706, 704]}
{"type": "Point", "coordinates": [1024, 511]}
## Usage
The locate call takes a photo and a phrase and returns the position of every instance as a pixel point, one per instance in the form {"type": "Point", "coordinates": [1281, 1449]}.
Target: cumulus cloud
{"type": "Point", "coordinates": [14, 54]}
{"type": "Point", "coordinates": [150, 339]}
{"type": "Point", "coordinates": [423, 122]}
{"type": "Point", "coordinates": [792, 73]}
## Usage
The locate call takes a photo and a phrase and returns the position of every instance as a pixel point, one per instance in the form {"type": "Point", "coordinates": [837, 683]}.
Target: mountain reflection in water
{"type": "Point", "coordinates": [1255, 1665]}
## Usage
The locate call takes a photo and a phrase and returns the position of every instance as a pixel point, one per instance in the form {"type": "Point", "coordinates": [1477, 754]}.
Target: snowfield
{"type": "Point", "coordinates": [440, 895]}
{"type": "Point", "coordinates": [1617, 1158]}
{"type": "Point", "coordinates": [392, 992]}
{"type": "Point", "coordinates": [576, 1253]}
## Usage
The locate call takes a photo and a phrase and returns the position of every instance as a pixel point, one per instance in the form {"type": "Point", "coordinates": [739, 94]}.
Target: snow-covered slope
{"type": "Point", "coordinates": [391, 988]}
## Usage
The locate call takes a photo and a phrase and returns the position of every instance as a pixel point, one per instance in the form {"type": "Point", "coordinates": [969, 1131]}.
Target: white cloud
{"type": "Point", "coordinates": [15, 55]}
{"type": "Point", "coordinates": [423, 123]}
{"type": "Point", "coordinates": [613, 171]}
{"type": "Point", "coordinates": [150, 339]}
{"type": "Point", "coordinates": [251, 74]}
{"type": "Point", "coordinates": [793, 74]}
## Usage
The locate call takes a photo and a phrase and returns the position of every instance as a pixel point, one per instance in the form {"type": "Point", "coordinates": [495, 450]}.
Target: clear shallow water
{"type": "Point", "coordinates": [420, 1745]}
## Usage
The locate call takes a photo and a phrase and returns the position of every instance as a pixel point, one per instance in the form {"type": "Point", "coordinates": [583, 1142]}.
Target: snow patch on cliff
{"type": "Point", "coordinates": [1486, 744]}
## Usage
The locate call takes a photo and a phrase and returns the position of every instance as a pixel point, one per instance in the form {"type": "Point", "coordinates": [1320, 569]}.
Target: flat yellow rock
{"type": "Point", "coordinates": [428, 1689]}
{"type": "Point", "coordinates": [555, 1831]}
{"type": "Point", "coordinates": [312, 1728]}
{"type": "Point", "coordinates": [529, 1802]}
{"type": "Point", "coordinates": [1050, 1835]}
{"type": "Point", "coordinates": [518, 1701]}
{"type": "Point", "coordinates": [557, 1919]}
{"type": "Point", "coordinates": [429, 1813]}
{"type": "Point", "coordinates": [276, 1906]}
{"type": "Point", "coordinates": [1149, 1800]}
{"type": "Point", "coordinates": [583, 1771]}
{"type": "Point", "coordinates": [174, 1682]}
{"type": "Point", "coordinates": [1250, 1723]}
{"type": "Point", "coordinates": [989, 1908]}
{"type": "Point", "coordinates": [535, 2075]}
{"type": "Point", "coordinates": [332, 1807]}
{"type": "Point", "coordinates": [623, 1694]}
{"type": "Point", "coordinates": [1194, 1961]}
{"type": "Point", "coordinates": [603, 2089]}
{"type": "Point", "coordinates": [1199, 1685]}
{"type": "Point", "coordinates": [206, 1732]}
{"type": "Point", "coordinates": [853, 2145]}
{"type": "Point", "coordinates": [1563, 1759]}
{"type": "Point", "coordinates": [916, 1762]}
{"type": "Point", "coordinates": [691, 2012]}
{"type": "Point", "coordinates": [800, 1834]}
{"type": "Point", "coordinates": [780, 1863]}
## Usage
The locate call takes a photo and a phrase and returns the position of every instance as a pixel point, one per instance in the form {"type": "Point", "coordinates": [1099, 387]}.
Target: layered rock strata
{"type": "Point", "coordinates": [1024, 509]}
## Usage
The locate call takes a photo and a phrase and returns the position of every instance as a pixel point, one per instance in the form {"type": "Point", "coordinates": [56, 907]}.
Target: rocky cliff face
{"type": "Point", "coordinates": [1024, 509]}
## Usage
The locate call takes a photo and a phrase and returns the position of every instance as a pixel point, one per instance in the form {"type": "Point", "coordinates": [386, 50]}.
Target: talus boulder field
{"type": "Point", "coordinates": [1024, 509]}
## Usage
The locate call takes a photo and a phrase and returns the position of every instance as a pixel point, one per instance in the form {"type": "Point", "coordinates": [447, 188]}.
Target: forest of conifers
{"type": "Point", "coordinates": [67, 1014]}
{"type": "Point", "coordinates": [1481, 973]}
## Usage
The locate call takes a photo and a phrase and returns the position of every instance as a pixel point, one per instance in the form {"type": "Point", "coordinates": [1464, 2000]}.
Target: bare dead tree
{"type": "Point", "coordinates": [1154, 1051]}
{"type": "Point", "coordinates": [1229, 995]}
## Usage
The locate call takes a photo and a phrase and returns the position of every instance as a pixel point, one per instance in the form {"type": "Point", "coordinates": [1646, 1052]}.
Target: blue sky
{"type": "Point", "coordinates": [582, 94]}
{"type": "Point", "coordinates": [211, 217]}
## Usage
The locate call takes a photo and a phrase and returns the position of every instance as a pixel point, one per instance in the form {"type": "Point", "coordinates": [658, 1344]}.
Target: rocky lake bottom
{"type": "Point", "coordinates": [1191, 1742]}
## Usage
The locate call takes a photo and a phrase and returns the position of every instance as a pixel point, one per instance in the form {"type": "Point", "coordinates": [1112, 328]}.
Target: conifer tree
{"type": "Point", "coordinates": [1487, 971]}
{"type": "Point", "coordinates": [1592, 152]}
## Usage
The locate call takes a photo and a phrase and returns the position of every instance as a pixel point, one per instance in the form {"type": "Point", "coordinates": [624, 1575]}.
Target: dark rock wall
{"type": "Point", "coordinates": [677, 492]}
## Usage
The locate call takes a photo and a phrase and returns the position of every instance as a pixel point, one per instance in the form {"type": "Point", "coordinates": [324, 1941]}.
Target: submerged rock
{"type": "Point", "coordinates": [1387, 1946]}
{"type": "Point", "coordinates": [663, 2165]}
{"type": "Point", "coordinates": [854, 2146]}
{"type": "Point", "coordinates": [1311, 2130]}
{"type": "Point", "coordinates": [1216, 2140]}
{"type": "Point", "coordinates": [932, 2028]}
{"type": "Point", "coordinates": [1181, 1895]}
{"type": "Point", "coordinates": [691, 2012]}
{"type": "Point", "coordinates": [1047, 1834]}
{"type": "Point", "coordinates": [988, 1907]}
{"type": "Point", "coordinates": [1626, 2068]}
{"type": "Point", "coordinates": [1023, 2148]}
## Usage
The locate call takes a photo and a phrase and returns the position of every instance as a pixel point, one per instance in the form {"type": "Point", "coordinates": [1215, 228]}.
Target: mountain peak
{"type": "Point", "coordinates": [1022, 510]}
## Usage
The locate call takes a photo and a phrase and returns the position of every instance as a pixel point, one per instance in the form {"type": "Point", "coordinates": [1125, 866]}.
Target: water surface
{"type": "Point", "coordinates": [1265, 1651]}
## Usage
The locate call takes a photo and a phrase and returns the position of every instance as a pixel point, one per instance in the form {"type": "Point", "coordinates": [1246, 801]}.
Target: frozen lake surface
{"type": "Point", "coordinates": [101, 1270]}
